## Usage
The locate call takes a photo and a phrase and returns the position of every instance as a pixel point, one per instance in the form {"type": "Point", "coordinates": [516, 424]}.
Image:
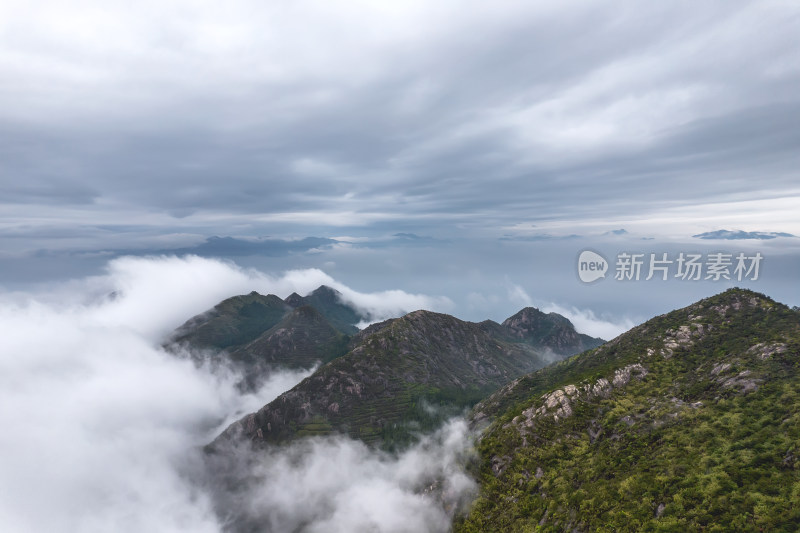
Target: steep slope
{"type": "Point", "coordinates": [405, 377]}
{"type": "Point", "coordinates": [688, 422]}
{"type": "Point", "coordinates": [302, 338]}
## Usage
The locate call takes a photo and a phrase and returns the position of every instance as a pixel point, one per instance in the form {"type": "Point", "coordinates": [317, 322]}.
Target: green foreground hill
{"type": "Point", "coordinates": [688, 422]}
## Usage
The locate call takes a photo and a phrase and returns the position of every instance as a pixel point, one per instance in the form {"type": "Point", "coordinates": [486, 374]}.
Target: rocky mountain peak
{"type": "Point", "coordinates": [550, 330]}
{"type": "Point", "coordinates": [294, 299]}
{"type": "Point", "coordinates": [736, 299]}
{"type": "Point", "coordinates": [323, 292]}
{"type": "Point", "coordinates": [532, 320]}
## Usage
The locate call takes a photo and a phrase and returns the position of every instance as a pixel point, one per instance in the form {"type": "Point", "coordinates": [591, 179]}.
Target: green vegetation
{"type": "Point", "coordinates": [233, 322]}
{"type": "Point", "coordinates": [384, 385]}
{"type": "Point", "coordinates": [302, 338]}
{"type": "Point", "coordinates": [698, 429]}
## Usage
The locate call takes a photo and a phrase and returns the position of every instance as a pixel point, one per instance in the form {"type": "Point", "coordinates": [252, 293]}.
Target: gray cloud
{"type": "Point", "coordinates": [440, 114]}
{"type": "Point", "coordinates": [125, 132]}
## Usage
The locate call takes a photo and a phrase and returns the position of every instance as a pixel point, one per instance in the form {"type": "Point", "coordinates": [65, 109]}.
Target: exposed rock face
{"type": "Point", "coordinates": [559, 403]}
{"type": "Point", "coordinates": [766, 350]}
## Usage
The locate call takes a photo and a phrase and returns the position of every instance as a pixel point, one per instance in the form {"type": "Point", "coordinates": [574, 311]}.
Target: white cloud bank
{"type": "Point", "coordinates": [101, 429]}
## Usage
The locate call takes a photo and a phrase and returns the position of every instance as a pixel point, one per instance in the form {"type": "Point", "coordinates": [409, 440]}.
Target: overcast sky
{"type": "Point", "coordinates": [140, 127]}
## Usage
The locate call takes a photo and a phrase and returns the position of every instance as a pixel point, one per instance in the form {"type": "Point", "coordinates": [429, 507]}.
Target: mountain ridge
{"type": "Point", "coordinates": [381, 391]}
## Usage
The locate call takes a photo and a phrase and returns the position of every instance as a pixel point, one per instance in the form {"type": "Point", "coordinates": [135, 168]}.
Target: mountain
{"type": "Point", "coordinates": [258, 332]}
{"type": "Point", "coordinates": [404, 376]}
{"type": "Point", "coordinates": [232, 247]}
{"type": "Point", "coordinates": [548, 330]}
{"type": "Point", "coordinates": [688, 422]}
{"type": "Point", "coordinates": [329, 303]}
{"type": "Point", "coordinates": [233, 322]}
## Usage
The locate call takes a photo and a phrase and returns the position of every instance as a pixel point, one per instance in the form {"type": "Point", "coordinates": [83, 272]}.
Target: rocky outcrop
{"type": "Point", "coordinates": [559, 403]}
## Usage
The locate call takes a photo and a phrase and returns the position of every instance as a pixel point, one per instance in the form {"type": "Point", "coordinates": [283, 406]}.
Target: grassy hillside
{"type": "Point", "coordinates": [330, 304]}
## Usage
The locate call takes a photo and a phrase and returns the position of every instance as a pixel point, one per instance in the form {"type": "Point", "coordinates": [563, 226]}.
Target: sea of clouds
{"type": "Point", "coordinates": [102, 430]}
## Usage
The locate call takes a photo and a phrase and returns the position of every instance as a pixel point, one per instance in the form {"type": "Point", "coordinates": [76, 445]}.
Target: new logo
{"type": "Point", "coordinates": [591, 266]}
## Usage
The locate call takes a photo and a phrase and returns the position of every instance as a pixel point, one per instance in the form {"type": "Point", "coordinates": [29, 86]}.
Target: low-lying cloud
{"type": "Point", "coordinates": [586, 321]}
{"type": "Point", "coordinates": [102, 430]}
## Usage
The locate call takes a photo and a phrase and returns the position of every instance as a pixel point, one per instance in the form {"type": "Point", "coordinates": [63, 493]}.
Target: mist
{"type": "Point", "coordinates": [103, 430]}
{"type": "Point", "coordinates": [339, 484]}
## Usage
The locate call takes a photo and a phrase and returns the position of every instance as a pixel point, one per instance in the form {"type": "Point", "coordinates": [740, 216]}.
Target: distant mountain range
{"type": "Point", "coordinates": [229, 246]}
{"type": "Point", "coordinates": [741, 235]}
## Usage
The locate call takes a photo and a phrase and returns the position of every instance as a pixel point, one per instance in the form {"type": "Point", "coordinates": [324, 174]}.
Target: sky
{"type": "Point", "coordinates": [461, 150]}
